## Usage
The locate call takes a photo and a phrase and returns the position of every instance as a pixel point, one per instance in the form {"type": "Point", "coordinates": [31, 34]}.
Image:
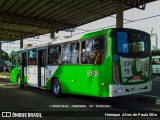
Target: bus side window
{"type": "Point", "coordinates": [32, 57]}
{"type": "Point", "coordinates": [93, 51]}
{"type": "Point", "coordinates": [54, 54]}
{"type": "Point", "coordinates": [75, 53]}
{"type": "Point", "coordinates": [71, 53]}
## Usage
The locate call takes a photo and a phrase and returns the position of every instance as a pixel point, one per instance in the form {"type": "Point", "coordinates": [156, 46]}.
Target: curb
{"type": "Point", "coordinates": [148, 98]}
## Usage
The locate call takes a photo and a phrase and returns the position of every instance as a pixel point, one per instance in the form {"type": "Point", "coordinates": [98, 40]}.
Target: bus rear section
{"type": "Point", "coordinates": [131, 63]}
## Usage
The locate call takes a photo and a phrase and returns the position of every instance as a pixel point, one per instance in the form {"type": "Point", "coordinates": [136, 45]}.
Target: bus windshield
{"type": "Point", "coordinates": [133, 43]}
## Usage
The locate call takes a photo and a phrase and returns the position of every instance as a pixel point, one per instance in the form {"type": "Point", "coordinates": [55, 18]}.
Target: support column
{"type": "Point", "coordinates": [0, 50]}
{"type": "Point", "coordinates": [156, 40]}
{"type": "Point", "coordinates": [21, 42]}
{"type": "Point", "coordinates": [119, 11]}
{"type": "Point", "coordinates": [52, 34]}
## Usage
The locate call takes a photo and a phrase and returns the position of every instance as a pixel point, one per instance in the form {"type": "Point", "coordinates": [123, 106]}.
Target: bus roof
{"type": "Point", "coordinates": [85, 36]}
{"type": "Point", "coordinates": [97, 33]}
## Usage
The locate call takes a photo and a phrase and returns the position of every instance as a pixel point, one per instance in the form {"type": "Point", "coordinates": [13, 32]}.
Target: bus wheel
{"type": "Point", "coordinates": [56, 88]}
{"type": "Point", "coordinates": [20, 82]}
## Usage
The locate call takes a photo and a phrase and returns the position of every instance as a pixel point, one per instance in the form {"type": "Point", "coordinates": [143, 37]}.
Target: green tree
{"type": "Point", "coordinates": [4, 55]}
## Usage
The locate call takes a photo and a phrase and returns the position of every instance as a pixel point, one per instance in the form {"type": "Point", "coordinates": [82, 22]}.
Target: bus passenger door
{"type": "Point", "coordinates": [41, 67]}
{"type": "Point", "coordinates": [24, 67]}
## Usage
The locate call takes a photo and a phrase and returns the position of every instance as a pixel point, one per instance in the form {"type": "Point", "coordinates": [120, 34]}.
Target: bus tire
{"type": "Point", "coordinates": [56, 88]}
{"type": "Point", "coordinates": [19, 81]}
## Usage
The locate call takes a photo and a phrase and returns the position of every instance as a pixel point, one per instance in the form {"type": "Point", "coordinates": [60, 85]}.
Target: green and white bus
{"type": "Point", "coordinates": [156, 62]}
{"type": "Point", "coordinates": [107, 63]}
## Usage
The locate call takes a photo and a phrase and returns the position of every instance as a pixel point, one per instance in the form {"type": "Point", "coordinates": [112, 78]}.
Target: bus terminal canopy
{"type": "Point", "coordinates": [21, 19]}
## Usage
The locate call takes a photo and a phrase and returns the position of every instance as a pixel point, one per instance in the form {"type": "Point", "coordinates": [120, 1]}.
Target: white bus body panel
{"type": "Point", "coordinates": [32, 75]}
{"type": "Point", "coordinates": [50, 70]}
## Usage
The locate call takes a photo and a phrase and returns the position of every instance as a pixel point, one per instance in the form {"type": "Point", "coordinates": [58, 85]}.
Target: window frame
{"type": "Point", "coordinates": [58, 54]}
{"type": "Point", "coordinates": [72, 42]}
{"type": "Point", "coordinates": [103, 52]}
{"type": "Point", "coordinates": [28, 58]}
{"type": "Point", "coordinates": [19, 58]}
{"type": "Point", "coordinates": [136, 55]}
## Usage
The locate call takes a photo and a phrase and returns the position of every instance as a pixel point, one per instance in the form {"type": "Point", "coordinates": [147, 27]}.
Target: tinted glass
{"type": "Point", "coordinates": [93, 50]}
{"type": "Point", "coordinates": [71, 53]}
{"type": "Point", "coordinates": [32, 57]}
{"type": "Point", "coordinates": [133, 43]}
{"type": "Point", "coordinates": [54, 54]}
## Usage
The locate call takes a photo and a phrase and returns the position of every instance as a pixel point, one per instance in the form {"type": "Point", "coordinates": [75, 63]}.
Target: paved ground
{"type": "Point", "coordinates": [12, 98]}
{"type": "Point", "coordinates": [155, 89]}
{"type": "Point", "coordinates": [156, 86]}
{"type": "Point", "coordinates": [4, 75]}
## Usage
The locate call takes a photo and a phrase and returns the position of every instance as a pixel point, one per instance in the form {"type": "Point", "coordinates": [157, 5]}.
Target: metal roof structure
{"type": "Point", "coordinates": [21, 19]}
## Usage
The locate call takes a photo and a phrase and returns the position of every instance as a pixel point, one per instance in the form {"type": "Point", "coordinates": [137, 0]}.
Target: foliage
{"type": "Point", "coordinates": [4, 55]}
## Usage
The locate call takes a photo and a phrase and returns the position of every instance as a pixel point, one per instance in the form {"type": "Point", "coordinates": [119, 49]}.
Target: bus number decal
{"type": "Point", "coordinates": [127, 63]}
{"type": "Point", "coordinates": [126, 66]}
{"type": "Point", "coordinates": [92, 73]}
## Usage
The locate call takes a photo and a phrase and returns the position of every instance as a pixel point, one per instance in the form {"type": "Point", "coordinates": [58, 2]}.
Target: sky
{"type": "Point", "coordinates": [153, 23]}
